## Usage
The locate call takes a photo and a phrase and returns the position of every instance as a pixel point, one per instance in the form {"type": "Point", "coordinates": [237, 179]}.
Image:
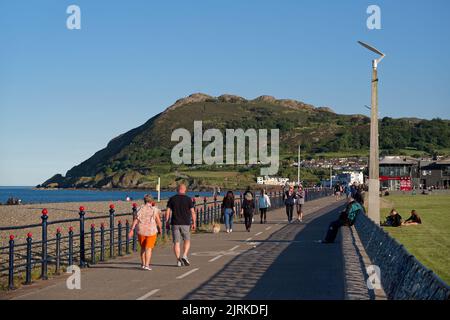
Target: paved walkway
{"type": "Point", "coordinates": [273, 261]}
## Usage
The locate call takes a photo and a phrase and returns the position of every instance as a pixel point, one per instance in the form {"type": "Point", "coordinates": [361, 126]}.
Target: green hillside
{"type": "Point", "coordinates": [137, 157]}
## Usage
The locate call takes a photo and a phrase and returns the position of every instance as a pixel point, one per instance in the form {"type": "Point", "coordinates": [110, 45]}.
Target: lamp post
{"type": "Point", "coordinates": [374, 174]}
{"type": "Point", "coordinates": [298, 167]}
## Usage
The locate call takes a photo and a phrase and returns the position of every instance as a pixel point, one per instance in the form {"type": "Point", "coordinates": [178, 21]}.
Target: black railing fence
{"type": "Point", "coordinates": [93, 243]}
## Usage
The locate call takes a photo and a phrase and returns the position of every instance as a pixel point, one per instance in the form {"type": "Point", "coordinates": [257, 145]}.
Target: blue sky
{"type": "Point", "coordinates": [65, 93]}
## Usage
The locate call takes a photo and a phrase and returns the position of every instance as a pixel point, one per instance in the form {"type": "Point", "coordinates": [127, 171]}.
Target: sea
{"type": "Point", "coordinates": [29, 195]}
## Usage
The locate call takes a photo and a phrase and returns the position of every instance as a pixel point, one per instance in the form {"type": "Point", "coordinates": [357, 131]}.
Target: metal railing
{"type": "Point", "coordinates": [99, 243]}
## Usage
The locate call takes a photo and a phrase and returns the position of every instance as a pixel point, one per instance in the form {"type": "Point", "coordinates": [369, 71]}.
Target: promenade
{"type": "Point", "coordinates": [274, 261]}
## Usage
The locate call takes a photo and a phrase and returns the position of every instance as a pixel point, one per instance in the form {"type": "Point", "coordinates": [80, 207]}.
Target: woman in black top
{"type": "Point", "coordinates": [413, 220]}
{"type": "Point", "coordinates": [228, 210]}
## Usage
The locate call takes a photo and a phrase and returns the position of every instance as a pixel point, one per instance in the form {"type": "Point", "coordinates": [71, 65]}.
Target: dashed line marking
{"type": "Point", "coordinates": [258, 233]}
{"type": "Point", "coordinates": [234, 248]}
{"type": "Point", "coordinates": [147, 295]}
{"type": "Point", "coordinates": [216, 258]}
{"type": "Point", "coordinates": [249, 239]}
{"type": "Point", "coordinates": [188, 273]}
{"type": "Point", "coordinates": [268, 228]}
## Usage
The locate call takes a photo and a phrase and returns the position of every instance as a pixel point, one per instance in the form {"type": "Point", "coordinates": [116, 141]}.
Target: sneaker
{"type": "Point", "coordinates": [142, 266]}
{"type": "Point", "coordinates": [186, 261]}
{"type": "Point", "coordinates": [147, 268]}
{"type": "Point", "coordinates": [179, 263]}
{"type": "Point", "coordinates": [228, 231]}
{"type": "Point", "coordinates": [231, 230]}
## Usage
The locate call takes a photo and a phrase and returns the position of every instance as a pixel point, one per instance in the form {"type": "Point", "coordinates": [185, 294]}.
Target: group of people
{"type": "Point", "coordinates": [294, 197]}
{"type": "Point", "coordinates": [395, 219]}
{"type": "Point", "coordinates": [349, 190]}
{"type": "Point", "coordinates": [180, 215]}
{"type": "Point", "coordinates": [247, 208]}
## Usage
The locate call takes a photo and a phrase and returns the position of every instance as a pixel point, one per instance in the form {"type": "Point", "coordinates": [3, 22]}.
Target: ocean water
{"type": "Point", "coordinates": [29, 195]}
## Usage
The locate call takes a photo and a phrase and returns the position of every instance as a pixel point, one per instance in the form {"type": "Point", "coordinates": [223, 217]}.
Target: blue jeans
{"type": "Point", "coordinates": [229, 218]}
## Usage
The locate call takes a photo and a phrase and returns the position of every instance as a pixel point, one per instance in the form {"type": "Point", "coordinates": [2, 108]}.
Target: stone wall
{"type": "Point", "coordinates": [402, 275]}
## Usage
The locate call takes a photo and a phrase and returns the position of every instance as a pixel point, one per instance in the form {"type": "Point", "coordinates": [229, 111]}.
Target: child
{"type": "Point", "coordinates": [147, 222]}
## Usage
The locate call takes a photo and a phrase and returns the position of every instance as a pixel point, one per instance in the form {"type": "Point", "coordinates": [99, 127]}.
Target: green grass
{"type": "Point", "coordinates": [429, 242]}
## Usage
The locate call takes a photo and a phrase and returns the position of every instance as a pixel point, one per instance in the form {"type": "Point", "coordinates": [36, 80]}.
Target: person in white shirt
{"type": "Point", "coordinates": [264, 204]}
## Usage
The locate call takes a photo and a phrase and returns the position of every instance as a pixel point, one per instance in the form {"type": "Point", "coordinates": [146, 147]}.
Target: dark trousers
{"type": "Point", "coordinates": [289, 212]}
{"type": "Point", "coordinates": [263, 212]}
{"type": "Point", "coordinates": [333, 230]}
{"type": "Point", "coordinates": [248, 217]}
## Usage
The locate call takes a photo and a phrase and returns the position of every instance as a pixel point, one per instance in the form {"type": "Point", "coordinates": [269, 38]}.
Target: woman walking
{"type": "Point", "coordinates": [264, 204]}
{"type": "Point", "coordinates": [147, 222]}
{"type": "Point", "coordinates": [300, 202]}
{"type": "Point", "coordinates": [248, 208]}
{"type": "Point", "coordinates": [228, 209]}
{"type": "Point", "coordinates": [289, 202]}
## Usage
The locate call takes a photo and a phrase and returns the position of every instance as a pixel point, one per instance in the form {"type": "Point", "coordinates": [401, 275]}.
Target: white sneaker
{"type": "Point", "coordinates": [147, 268]}
{"type": "Point", "coordinates": [231, 230]}
{"type": "Point", "coordinates": [228, 231]}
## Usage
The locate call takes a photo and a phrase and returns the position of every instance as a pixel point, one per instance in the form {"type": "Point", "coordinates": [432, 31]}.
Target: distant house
{"type": "Point", "coordinates": [435, 174]}
{"type": "Point", "coordinates": [399, 173]}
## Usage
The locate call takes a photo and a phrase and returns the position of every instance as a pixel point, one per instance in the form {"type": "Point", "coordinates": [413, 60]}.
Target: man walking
{"type": "Point", "coordinates": [181, 212]}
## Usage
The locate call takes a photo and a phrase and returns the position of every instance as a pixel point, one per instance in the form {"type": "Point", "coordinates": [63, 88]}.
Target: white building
{"type": "Point", "coordinates": [272, 181]}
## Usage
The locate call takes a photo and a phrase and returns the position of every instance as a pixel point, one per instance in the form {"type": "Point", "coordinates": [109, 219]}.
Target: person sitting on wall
{"type": "Point", "coordinates": [393, 220]}
{"type": "Point", "coordinates": [413, 220]}
{"type": "Point", "coordinates": [346, 218]}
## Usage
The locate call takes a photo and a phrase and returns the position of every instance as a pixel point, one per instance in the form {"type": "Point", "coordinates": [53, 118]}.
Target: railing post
{"type": "Point", "coordinates": [119, 238]}
{"type": "Point", "coordinates": [102, 242]}
{"type": "Point", "coordinates": [93, 260]}
{"type": "Point", "coordinates": [205, 208]}
{"type": "Point", "coordinates": [111, 230]}
{"type": "Point", "coordinates": [127, 241]}
{"type": "Point", "coordinates": [134, 210]}
{"type": "Point", "coordinates": [215, 208]}
{"type": "Point", "coordinates": [58, 251]}
{"type": "Point", "coordinates": [70, 246]}
{"type": "Point", "coordinates": [82, 248]}
{"type": "Point", "coordinates": [44, 270]}
{"type": "Point", "coordinates": [29, 266]}
{"type": "Point", "coordinates": [11, 263]}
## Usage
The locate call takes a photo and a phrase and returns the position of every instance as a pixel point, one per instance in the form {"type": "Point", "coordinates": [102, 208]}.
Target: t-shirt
{"type": "Point", "coordinates": [181, 206]}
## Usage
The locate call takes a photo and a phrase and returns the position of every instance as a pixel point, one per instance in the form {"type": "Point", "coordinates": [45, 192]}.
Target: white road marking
{"type": "Point", "coordinates": [188, 273]}
{"type": "Point", "coordinates": [258, 233]}
{"type": "Point", "coordinates": [215, 258]}
{"type": "Point", "coordinates": [147, 295]}
{"type": "Point", "coordinates": [249, 239]}
{"type": "Point", "coordinates": [268, 228]}
{"type": "Point", "coordinates": [232, 249]}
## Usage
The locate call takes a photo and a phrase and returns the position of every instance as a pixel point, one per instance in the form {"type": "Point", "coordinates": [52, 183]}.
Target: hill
{"type": "Point", "coordinates": [135, 158]}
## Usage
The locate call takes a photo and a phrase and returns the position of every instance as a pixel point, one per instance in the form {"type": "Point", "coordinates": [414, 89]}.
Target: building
{"type": "Point", "coordinates": [272, 181]}
{"type": "Point", "coordinates": [435, 174]}
{"type": "Point", "coordinates": [350, 177]}
{"type": "Point", "coordinates": [399, 173]}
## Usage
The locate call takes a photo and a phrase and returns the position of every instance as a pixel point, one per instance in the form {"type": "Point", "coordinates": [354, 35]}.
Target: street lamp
{"type": "Point", "coordinates": [374, 174]}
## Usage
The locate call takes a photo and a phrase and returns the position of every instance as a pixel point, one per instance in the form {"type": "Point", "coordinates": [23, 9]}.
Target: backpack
{"type": "Point", "coordinates": [247, 204]}
{"type": "Point", "coordinates": [146, 217]}
{"type": "Point", "coordinates": [353, 212]}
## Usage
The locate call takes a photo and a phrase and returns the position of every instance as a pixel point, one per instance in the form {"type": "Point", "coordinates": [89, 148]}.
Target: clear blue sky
{"type": "Point", "coordinates": [65, 93]}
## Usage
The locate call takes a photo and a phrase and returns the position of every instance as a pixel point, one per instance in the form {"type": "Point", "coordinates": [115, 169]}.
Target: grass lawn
{"type": "Point", "coordinates": [429, 242]}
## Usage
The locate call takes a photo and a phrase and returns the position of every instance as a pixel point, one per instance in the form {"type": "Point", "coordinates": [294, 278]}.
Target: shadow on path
{"type": "Point", "coordinates": [291, 264]}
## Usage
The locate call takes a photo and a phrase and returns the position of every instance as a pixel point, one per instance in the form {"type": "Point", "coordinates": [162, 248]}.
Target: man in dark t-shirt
{"type": "Point", "coordinates": [181, 213]}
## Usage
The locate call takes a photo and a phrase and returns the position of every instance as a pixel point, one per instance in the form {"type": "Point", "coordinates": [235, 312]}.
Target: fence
{"type": "Point", "coordinates": [402, 275]}
{"type": "Point", "coordinates": [97, 243]}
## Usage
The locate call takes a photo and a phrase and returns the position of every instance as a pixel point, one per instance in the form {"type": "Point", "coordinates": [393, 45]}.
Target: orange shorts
{"type": "Point", "coordinates": [147, 242]}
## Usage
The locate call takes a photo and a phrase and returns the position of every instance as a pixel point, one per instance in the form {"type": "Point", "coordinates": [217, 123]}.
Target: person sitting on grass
{"type": "Point", "coordinates": [393, 220]}
{"type": "Point", "coordinates": [147, 222]}
{"type": "Point", "coordinates": [413, 220]}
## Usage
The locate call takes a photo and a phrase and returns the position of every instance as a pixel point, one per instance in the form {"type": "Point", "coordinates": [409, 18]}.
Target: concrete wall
{"type": "Point", "coordinates": [402, 275]}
